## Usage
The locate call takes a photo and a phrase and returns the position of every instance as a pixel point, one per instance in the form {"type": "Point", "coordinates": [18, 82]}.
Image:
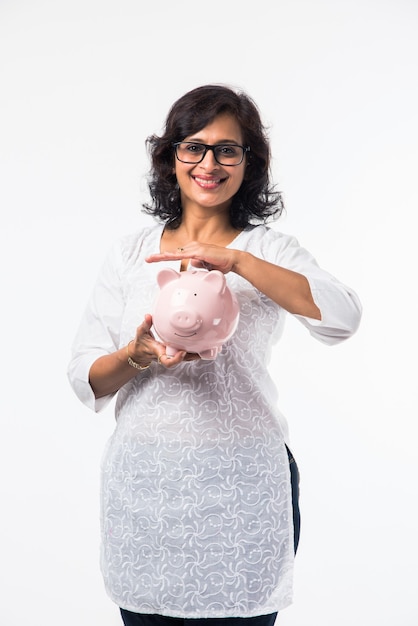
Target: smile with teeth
{"type": "Point", "coordinates": [207, 182]}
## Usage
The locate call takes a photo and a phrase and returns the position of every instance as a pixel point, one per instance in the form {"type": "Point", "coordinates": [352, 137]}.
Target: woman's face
{"type": "Point", "coordinates": [208, 184]}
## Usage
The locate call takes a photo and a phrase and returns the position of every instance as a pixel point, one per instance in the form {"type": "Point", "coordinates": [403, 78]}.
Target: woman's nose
{"type": "Point", "coordinates": [209, 159]}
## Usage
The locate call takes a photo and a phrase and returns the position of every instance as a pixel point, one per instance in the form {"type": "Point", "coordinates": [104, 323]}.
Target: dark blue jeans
{"type": "Point", "coordinates": [141, 619]}
{"type": "Point", "coordinates": [294, 480]}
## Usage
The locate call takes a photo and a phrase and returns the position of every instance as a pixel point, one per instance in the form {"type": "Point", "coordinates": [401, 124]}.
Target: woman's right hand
{"type": "Point", "coordinates": [144, 348]}
{"type": "Point", "coordinates": [110, 372]}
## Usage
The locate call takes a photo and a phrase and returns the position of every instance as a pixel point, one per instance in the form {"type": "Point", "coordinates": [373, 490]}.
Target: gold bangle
{"type": "Point", "coordinates": [133, 363]}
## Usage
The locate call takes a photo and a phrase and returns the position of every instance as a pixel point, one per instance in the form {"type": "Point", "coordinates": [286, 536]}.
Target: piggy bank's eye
{"type": "Point", "coordinates": [195, 294]}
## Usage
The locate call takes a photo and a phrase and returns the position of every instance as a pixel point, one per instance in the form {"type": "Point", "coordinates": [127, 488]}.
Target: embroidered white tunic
{"type": "Point", "coordinates": [196, 497]}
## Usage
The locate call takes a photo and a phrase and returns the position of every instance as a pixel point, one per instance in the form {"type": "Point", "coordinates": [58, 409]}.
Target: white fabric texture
{"type": "Point", "coordinates": [196, 498]}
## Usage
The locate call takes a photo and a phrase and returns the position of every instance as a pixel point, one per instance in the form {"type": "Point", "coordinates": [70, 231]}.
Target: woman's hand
{"type": "Point", "coordinates": [204, 255]}
{"type": "Point", "coordinates": [287, 288]}
{"type": "Point", "coordinates": [144, 348]}
{"type": "Point", "coordinates": [110, 372]}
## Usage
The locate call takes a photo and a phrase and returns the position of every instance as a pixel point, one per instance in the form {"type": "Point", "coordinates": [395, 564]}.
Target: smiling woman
{"type": "Point", "coordinates": [200, 516]}
{"type": "Point", "coordinates": [203, 167]}
{"type": "Point", "coordinates": [191, 120]}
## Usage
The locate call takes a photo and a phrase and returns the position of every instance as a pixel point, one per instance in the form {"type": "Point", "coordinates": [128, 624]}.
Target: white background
{"type": "Point", "coordinates": [83, 83]}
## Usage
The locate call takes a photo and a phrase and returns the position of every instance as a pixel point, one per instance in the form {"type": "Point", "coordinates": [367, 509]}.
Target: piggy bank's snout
{"type": "Point", "coordinates": [185, 320]}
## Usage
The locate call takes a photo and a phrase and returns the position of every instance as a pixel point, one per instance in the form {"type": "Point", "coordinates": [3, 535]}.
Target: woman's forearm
{"type": "Point", "coordinates": [110, 372]}
{"type": "Point", "coordinates": [289, 289]}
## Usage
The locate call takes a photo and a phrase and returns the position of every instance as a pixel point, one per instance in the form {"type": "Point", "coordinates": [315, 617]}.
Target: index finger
{"type": "Point", "coordinates": [165, 256]}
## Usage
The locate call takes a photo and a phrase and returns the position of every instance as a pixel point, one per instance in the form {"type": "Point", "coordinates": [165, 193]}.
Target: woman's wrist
{"type": "Point", "coordinates": [241, 258]}
{"type": "Point", "coordinates": [134, 363]}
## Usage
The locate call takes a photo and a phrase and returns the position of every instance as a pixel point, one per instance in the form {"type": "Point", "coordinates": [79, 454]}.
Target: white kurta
{"type": "Point", "coordinates": [196, 498]}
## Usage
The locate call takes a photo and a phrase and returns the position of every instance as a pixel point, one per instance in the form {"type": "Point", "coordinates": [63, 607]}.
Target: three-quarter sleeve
{"type": "Point", "coordinates": [340, 310]}
{"type": "Point", "coordinates": [99, 330]}
{"type": "Point", "coordinates": [339, 305]}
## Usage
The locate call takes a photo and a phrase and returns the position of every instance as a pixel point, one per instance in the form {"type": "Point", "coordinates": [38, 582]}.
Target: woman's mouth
{"type": "Point", "coordinates": [208, 183]}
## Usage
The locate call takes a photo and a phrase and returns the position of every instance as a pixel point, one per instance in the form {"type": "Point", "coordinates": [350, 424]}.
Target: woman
{"type": "Point", "coordinates": [200, 516]}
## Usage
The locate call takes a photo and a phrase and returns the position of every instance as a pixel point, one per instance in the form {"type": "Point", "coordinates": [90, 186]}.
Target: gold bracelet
{"type": "Point", "coordinates": [133, 363]}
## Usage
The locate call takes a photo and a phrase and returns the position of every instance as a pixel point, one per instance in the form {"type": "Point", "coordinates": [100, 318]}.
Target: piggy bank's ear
{"type": "Point", "coordinates": [216, 280]}
{"type": "Point", "coordinates": [166, 276]}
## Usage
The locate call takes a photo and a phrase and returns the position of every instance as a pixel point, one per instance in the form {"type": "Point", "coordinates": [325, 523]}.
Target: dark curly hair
{"type": "Point", "coordinates": [256, 200]}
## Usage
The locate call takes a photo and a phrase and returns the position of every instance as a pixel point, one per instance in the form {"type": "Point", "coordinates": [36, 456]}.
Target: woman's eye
{"type": "Point", "coordinates": [227, 150]}
{"type": "Point", "coordinates": [195, 147]}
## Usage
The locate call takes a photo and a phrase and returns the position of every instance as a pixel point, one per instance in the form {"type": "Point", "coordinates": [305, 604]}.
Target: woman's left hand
{"type": "Point", "coordinates": [287, 288]}
{"type": "Point", "coordinates": [204, 255]}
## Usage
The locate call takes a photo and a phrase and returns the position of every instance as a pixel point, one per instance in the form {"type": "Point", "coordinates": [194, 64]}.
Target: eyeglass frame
{"type": "Point", "coordinates": [208, 147]}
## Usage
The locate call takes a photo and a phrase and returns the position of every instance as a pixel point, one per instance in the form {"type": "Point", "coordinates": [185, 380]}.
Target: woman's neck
{"type": "Point", "coordinates": [215, 229]}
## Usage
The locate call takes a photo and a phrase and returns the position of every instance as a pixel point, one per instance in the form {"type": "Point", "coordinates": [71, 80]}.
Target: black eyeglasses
{"type": "Point", "coordinates": [225, 153]}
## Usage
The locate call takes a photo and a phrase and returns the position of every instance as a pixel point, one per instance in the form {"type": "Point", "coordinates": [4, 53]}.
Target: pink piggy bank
{"type": "Point", "coordinates": [194, 311]}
